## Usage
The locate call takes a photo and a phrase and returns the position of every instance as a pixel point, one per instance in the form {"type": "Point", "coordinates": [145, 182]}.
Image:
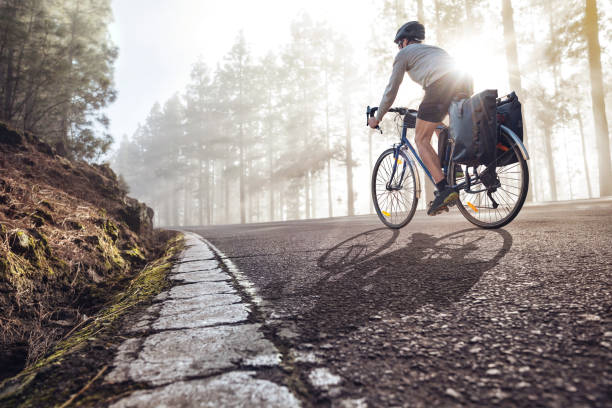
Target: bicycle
{"type": "Point", "coordinates": [489, 196]}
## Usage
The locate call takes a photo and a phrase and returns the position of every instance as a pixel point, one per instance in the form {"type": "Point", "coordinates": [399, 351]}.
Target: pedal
{"type": "Point", "coordinates": [439, 211]}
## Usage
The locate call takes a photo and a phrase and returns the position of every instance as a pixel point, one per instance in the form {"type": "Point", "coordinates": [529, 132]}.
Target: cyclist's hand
{"type": "Point", "coordinates": [373, 122]}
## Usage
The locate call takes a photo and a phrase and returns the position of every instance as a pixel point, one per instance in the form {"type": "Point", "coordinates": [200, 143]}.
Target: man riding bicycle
{"type": "Point", "coordinates": [436, 72]}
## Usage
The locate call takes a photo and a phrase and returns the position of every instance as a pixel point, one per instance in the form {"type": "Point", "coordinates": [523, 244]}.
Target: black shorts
{"type": "Point", "coordinates": [438, 96]}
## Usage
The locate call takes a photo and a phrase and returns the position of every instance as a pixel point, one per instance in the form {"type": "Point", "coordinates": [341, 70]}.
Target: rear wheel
{"type": "Point", "coordinates": [494, 201]}
{"type": "Point", "coordinates": [394, 189]}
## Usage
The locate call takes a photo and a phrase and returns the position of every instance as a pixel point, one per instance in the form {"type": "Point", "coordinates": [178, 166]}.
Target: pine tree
{"type": "Point", "coordinates": [56, 71]}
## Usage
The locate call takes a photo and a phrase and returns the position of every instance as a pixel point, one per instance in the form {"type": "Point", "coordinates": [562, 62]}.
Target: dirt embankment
{"type": "Point", "coordinates": [70, 238]}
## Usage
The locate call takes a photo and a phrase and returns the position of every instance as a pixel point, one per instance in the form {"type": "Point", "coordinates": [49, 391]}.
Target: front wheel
{"type": "Point", "coordinates": [394, 189]}
{"type": "Point", "coordinates": [494, 201]}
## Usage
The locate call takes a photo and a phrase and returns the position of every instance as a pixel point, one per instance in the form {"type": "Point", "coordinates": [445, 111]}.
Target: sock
{"type": "Point", "coordinates": [441, 185]}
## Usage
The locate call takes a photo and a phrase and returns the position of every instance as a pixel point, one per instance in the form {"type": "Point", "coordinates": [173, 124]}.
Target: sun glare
{"type": "Point", "coordinates": [486, 66]}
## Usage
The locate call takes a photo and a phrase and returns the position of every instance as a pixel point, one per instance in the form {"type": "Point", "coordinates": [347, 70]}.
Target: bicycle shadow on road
{"type": "Point", "coordinates": [362, 281]}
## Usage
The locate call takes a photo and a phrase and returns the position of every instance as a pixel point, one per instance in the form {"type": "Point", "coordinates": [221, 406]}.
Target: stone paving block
{"type": "Point", "coordinates": [177, 355]}
{"type": "Point", "coordinates": [196, 256]}
{"type": "Point", "coordinates": [127, 352]}
{"type": "Point", "coordinates": [175, 318]}
{"type": "Point", "coordinates": [198, 249]}
{"type": "Point", "coordinates": [177, 306]}
{"type": "Point", "coordinates": [235, 389]}
{"type": "Point", "coordinates": [197, 289]}
{"type": "Point", "coordinates": [200, 276]}
{"type": "Point", "coordinates": [204, 265]}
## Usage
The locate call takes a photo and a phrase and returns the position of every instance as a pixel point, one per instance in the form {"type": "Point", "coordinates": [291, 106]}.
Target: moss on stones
{"type": "Point", "coordinates": [133, 254]}
{"type": "Point", "coordinates": [74, 225]}
{"type": "Point", "coordinates": [111, 230]}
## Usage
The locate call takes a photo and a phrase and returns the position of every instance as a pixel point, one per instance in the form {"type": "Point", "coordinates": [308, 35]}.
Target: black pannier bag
{"type": "Point", "coordinates": [509, 114]}
{"type": "Point", "coordinates": [473, 128]}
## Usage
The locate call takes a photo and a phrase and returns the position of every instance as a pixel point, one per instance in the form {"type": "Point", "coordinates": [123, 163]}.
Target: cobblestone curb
{"type": "Point", "coordinates": [196, 346]}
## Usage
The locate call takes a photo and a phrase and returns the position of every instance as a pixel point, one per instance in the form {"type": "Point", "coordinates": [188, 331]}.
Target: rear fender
{"type": "Point", "coordinates": [518, 141]}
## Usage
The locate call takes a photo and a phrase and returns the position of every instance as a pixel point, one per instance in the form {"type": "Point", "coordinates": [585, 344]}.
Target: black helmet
{"type": "Point", "coordinates": [412, 30]}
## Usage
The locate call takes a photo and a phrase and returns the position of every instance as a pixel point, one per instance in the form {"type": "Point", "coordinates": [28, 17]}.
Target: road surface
{"type": "Point", "coordinates": [437, 313]}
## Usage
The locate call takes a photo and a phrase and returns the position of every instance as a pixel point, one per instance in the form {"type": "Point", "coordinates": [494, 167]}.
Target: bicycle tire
{"type": "Point", "coordinates": [398, 207]}
{"type": "Point", "coordinates": [477, 208]}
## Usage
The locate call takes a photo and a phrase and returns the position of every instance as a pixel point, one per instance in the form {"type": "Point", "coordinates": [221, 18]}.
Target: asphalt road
{"type": "Point", "coordinates": [439, 313]}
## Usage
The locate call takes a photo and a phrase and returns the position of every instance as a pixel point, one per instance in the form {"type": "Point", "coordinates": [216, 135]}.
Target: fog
{"type": "Point", "coordinates": [270, 129]}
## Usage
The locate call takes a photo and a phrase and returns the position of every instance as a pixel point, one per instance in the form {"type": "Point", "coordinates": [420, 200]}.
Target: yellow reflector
{"type": "Point", "coordinates": [386, 213]}
{"type": "Point", "coordinates": [399, 161]}
{"type": "Point", "coordinates": [472, 206]}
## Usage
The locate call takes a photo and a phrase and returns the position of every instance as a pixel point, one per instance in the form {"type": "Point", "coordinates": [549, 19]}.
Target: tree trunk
{"type": "Point", "coordinates": [591, 29]}
{"type": "Point", "coordinates": [242, 177]}
{"type": "Point", "coordinates": [349, 167]}
{"type": "Point", "coordinates": [307, 195]}
{"type": "Point", "coordinates": [210, 185]}
{"type": "Point", "coordinates": [568, 167]}
{"type": "Point", "coordinates": [514, 73]}
{"type": "Point", "coordinates": [207, 189]}
{"type": "Point", "coordinates": [200, 193]}
{"type": "Point", "coordinates": [330, 209]}
{"type": "Point", "coordinates": [270, 180]}
{"type": "Point", "coordinates": [550, 165]}
{"type": "Point", "coordinates": [186, 201]}
{"type": "Point", "coordinates": [584, 155]}
{"type": "Point", "coordinates": [281, 203]}
{"type": "Point", "coordinates": [226, 202]}
{"type": "Point", "coordinates": [420, 12]}
{"type": "Point", "coordinates": [313, 194]}
{"type": "Point", "coordinates": [399, 13]}
{"type": "Point", "coordinates": [258, 206]}
{"type": "Point", "coordinates": [439, 28]}
{"type": "Point", "coordinates": [250, 193]}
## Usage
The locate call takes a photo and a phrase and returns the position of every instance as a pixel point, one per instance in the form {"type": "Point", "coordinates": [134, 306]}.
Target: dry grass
{"type": "Point", "coordinates": [63, 250]}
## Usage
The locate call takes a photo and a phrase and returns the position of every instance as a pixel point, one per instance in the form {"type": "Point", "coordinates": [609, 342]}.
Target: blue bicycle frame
{"type": "Point", "coordinates": [396, 149]}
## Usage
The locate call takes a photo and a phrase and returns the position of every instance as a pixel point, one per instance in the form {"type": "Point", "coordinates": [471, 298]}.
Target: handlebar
{"type": "Point", "coordinates": [370, 111]}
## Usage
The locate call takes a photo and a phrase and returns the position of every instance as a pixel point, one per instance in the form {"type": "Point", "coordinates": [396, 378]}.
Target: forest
{"type": "Point", "coordinates": [282, 136]}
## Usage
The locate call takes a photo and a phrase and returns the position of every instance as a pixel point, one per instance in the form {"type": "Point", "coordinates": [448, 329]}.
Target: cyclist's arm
{"type": "Point", "coordinates": [399, 69]}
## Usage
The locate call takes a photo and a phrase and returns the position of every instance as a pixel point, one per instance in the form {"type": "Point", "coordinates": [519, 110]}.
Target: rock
{"type": "Point", "coordinates": [171, 356]}
{"type": "Point", "coordinates": [323, 378]}
{"type": "Point", "coordinates": [493, 371]}
{"type": "Point", "coordinates": [137, 216]}
{"type": "Point", "coordinates": [451, 392]}
{"type": "Point", "coordinates": [235, 389]}
{"type": "Point", "coordinates": [498, 394]}
{"type": "Point", "coordinates": [9, 136]}
{"type": "Point", "coordinates": [21, 242]}
{"type": "Point", "coordinates": [523, 384]}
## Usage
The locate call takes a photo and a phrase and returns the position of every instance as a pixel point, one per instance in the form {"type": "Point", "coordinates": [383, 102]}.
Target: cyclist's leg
{"type": "Point", "coordinates": [423, 132]}
{"type": "Point", "coordinates": [431, 112]}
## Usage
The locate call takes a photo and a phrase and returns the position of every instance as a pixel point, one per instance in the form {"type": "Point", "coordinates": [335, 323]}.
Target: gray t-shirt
{"type": "Point", "coordinates": [424, 63]}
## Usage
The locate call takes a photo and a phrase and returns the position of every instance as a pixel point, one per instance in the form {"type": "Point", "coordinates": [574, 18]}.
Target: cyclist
{"type": "Point", "coordinates": [436, 72]}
